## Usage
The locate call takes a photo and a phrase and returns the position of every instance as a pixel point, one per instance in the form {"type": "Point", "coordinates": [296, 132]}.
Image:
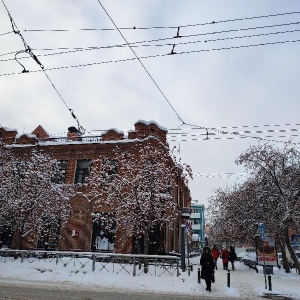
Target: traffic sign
{"type": "Point", "coordinates": [262, 231]}
{"type": "Point", "coordinates": [295, 239]}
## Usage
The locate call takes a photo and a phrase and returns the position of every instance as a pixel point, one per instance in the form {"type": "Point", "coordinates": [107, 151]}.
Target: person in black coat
{"type": "Point", "coordinates": [208, 266]}
{"type": "Point", "coordinates": [232, 256]}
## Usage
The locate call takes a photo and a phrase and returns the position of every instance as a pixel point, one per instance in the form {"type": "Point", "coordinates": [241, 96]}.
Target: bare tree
{"type": "Point", "coordinates": [138, 186]}
{"type": "Point", "coordinates": [30, 198]}
{"type": "Point", "coordinates": [269, 196]}
{"type": "Point", "coordinates": [277, 173]}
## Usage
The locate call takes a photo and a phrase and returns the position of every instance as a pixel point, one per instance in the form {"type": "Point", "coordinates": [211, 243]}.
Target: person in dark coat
{"type": "Point", "coordinates": [232, 256]}
{"type": "Point", "coordinates": [208, 266]}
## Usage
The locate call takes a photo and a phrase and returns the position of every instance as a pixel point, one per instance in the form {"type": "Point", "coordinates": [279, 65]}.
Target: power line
{"type": "Point", "coordinates": [215, 32]}
{"type": "Point", "coordinates": [139, 60]}
{"type": "Point", "coordinates": [148, 45]}
{"type": "Point", "coordinates": [172, 38]}
{"type": "Point", "coordinates": [29, 51]}
{"type": "Point", "coordinates": [174, 134]}
{"type": "Point", "coordinates": [266, 138]}
{"type": "Point", "coordinates": [8, 53]}
{"type": "Point", "coordinates": [244, 126]}
{"type": "Point", "coordinates": [6, 33]}
{"type": "Point", "coordinates": [222, 175]}
{"type": "Point", "coordinates": [157, 55]}
{"type": "Point", "coordinates": [161, 27]}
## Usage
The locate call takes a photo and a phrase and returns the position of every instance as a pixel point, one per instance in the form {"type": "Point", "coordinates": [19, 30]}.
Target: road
{"type": "Point", "coordinates": [33, 291]}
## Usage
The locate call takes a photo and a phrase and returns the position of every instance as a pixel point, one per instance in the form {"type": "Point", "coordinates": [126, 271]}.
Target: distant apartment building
{"type": "Point", "coordinates": [198, 224]}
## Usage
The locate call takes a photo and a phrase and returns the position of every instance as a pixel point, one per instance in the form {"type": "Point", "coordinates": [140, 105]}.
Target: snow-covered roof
{"type": "Point", "coordinates": [115, 130]}
{"type": "Point", "coordinates": [30, 135]}
{"type": "Point", "coordinates": [8, 129]}
{"type": "Point", "coordinates": [151, 122]}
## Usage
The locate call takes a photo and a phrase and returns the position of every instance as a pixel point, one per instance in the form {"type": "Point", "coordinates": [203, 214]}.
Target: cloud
{"type": "Point", "coordinates": [212, 88]}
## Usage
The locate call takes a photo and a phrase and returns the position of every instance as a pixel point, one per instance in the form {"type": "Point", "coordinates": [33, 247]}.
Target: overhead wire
{"type": "Point", "coordinates": [223, 175]}
{"type": "Point", "coordinates": [8, 53]}
{"type": "Point", "coordinates": [237, 136]}
{"type": "Point", "coordinates": [78, 49]}
{"type": "Point", "coordinates": [172, 134]}
{"type": "Point", "coordinates": [155, 56]}
{"type": "Point", "coordinates": [141, 63]}
{"type": "Point", "coordinates": [163, 27]}
{"type": "Point", "coordinates": [29, 51]}
{"type": "Point", "coordinates": [174, 37]}
{"type": "Point", "coordinates": [5, 33]}
{"type": "Point", "coordinates": [186, 52]}
{"type": "Point", "coordinates": [245, 126]}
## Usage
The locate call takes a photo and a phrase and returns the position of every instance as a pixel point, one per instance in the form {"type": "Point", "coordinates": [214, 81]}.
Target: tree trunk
{"type": "Point", "coordinates": [285, 262]}
{"type": "Point", "coordinates": [146, 250]}
{"type": "Point", "coordinates": [18, 240]}
{"type": "Point", "coordinates": [291, 250]}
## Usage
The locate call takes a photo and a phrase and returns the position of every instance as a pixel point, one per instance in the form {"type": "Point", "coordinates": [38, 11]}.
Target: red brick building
{"type": "Point", "coordinates": [74, 154]}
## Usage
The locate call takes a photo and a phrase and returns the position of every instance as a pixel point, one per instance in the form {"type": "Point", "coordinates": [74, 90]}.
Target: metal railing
{"type": "Point", "coordinates": [83, 139]}
{"type": "Point", "coordinates": [135, 265]}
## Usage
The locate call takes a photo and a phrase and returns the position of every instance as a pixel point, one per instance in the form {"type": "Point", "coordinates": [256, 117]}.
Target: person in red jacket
{"type": "Point", "coordinates": [215, 254]}
{"type": "Point", "coordinates": [225, 258]}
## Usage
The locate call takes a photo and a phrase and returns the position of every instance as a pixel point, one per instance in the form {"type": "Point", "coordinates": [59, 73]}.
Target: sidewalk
{"type": "Point", "coordinates": [246, 283]}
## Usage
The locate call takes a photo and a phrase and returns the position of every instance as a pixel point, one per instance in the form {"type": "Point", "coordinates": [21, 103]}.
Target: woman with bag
{"type": "Point", "coordinates": [208, 266]}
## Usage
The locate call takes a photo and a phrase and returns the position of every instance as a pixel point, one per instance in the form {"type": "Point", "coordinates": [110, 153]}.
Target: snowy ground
{"type": "Point", "coordinates": [245, 282]}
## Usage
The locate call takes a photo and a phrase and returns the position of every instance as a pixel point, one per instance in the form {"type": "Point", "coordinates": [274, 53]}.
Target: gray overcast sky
{"type": "Point", "coordinates": [207, 87]}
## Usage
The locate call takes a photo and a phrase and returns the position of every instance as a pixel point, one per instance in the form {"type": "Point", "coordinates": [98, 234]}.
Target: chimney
{"type": "Point", "coordinates": [73, 134]}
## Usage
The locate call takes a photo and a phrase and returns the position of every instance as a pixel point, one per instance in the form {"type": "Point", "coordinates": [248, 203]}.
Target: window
{"type": "Point", "coordinates": [82, 170]}
{"type": "Point", "coordinates": [196, 222]}
{"type": "Point", "coordinates": [62, 164]}
{"type": "Point", "coordinates": [195, 210]}
{"type": "Point", "coordinates": [61, 178]}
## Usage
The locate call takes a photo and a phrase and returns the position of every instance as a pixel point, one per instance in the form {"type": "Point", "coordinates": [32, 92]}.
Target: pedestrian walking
{"type": "Point", "coordinates": [207, 271]}
{"type": "Point", "coordinates": [215, 254]}
{"type": "Point", "coordinates": [225, 258]}
{"type": "Point", "coordinates": [232, 257]}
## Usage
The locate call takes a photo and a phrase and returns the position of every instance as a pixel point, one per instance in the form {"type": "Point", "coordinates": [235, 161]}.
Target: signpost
{"type": "Point", "coordinates": [262, 237]}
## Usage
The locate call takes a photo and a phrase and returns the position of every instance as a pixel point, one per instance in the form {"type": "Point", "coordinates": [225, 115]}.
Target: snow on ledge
{"type": "Point", "coordinates": [115, 130]}
{"type": "Point", "coordinates": [151, 122]}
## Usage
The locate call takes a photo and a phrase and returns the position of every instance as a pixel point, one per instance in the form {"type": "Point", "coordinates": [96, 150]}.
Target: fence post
{"type": "Point", "coordinates": [228, 278]}
{"type": "Point", "coordinates": [199, 276]}
{"type": "Point", "coordinates": [182, 247]}
{"type": "Point", "coordinates": [270, 282]}
{"type": "Point", "coordinates": [22, 257]}
{"type": "Point", "coordinates": [177, 263]}
{"type": "Point", "coordinates": [93, 263]}
{"type": "Point", "coordinates": [134, 267]}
